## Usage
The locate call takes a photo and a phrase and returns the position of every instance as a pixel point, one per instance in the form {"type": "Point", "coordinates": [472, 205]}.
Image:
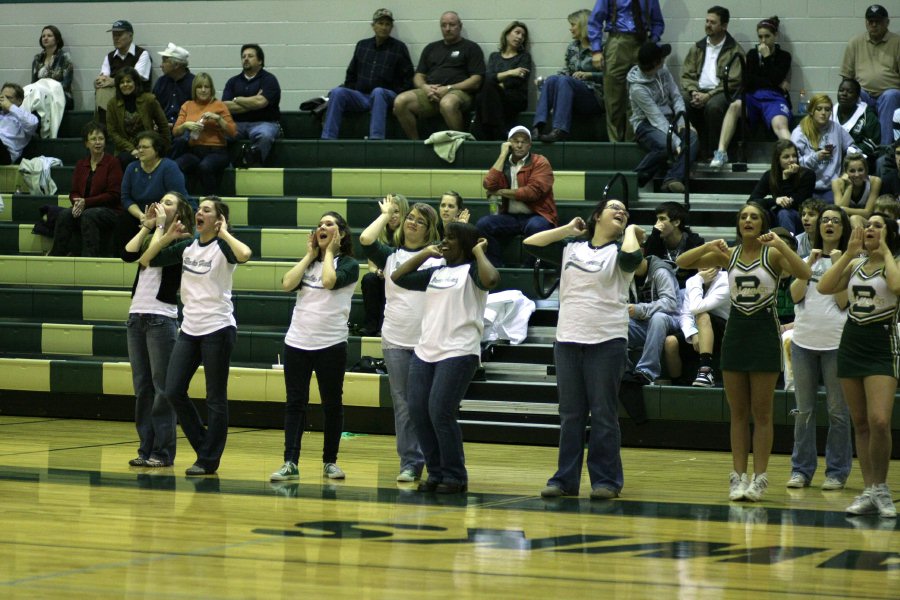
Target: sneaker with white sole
{"type": "Point", "coordinates": [407, 476]}
{"type": "Point", "coordinates": [704, 378]}
{"type": "Point", "coordinates": [864, 504]}
{"type": "Point", "coordinates": [881, 495]}
{"type": "Point", "coordinates": [287, 472]}
{"type": "Point", "coordinates": [798, 480]}
{"type": "Point", "coordinates": [757, 487]}
{"type": "Point", "coordinates": [738, 485]}
{"type": "Point", "coordinates": [719, 159]}
{"type": "Point", "coordinates": [833, 483]}
{"type": "Point", "coordinates": [332, 471]}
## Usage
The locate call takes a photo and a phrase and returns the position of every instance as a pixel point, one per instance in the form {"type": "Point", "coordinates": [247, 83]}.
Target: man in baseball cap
{"type": "Point", "coordinates": [871, 59]}
{"type": "Point", "coordinates": [173, 88]}
{"type": "Point", "coordinates": [125, 54]}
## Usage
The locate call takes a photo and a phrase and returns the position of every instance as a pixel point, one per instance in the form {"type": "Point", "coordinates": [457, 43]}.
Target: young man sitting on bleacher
{"type": "Point", "coordinates": [671, 236]}
{"type": "Point", "coordinates": [704, 313]}
{"type": "Point", "coordinates": [653, 316]}
{"type": "Point", "coordinates": [524, 182]}
{"type": "Point", "coordinates": [17, 125]}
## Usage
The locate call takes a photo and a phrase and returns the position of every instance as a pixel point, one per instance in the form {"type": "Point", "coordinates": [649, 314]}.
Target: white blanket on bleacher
{"type": "Point", "coordinates": [506, 316]}
{"type": "Point", "coordinates": [45, 97]}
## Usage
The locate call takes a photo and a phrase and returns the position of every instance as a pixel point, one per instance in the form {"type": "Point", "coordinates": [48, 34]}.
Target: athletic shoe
{"type": "Point", "coordinates": [332, 471]}
{"type": "Point", "coordinates": [603, 493]}
{"type": "Point", "coordinates": [287, 472]}
{"type": "Point", "coordinates": [864, 504]}
{"type": "Point", "coordinates": [138, 462]}
{"type": "Point", "coordinates": [798, 480]}
{"type": "Point", "coordinates": [881, 495]}
{"type": "Point", "coordinates": [553, 491]}
{"type": "Point", "coordinates": [757, 487]}
{"type": "Point", "coordinates": [738, 485]}
{"type": "Point", "coordinates": [196, 470]}
{"type": "Point", "coordinates": [833, 483]}
{"type": "Point", "coordinates": [719, 159]}
{"type": "Point", "coordinates": [407, 476]}
{"type": "Point", "coordinates": [155, 463]}
{"type": "Point", "coordinates": [704, 378]}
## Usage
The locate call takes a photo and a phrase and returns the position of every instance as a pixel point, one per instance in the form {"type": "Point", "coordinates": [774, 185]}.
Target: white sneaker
{"type": "Point", "coordinates": [863, 504]}
{"type": "Point", "coordinates": [407, 476]}
{"type": "Point", "coordinates": [738, 485]}
{"type": "Point", "coordinates": [833, 483]}
{"type": "Point", "coordinates": [757, 487]}
{"type": "Point", "coordinates": [719, 159]}
{"type": "Point", "coordinates": [881, 495]}
{"type": "Point", "coordinates": [798, 480]}
{"type": "Point", "coordinates": [332, 471]}
{"type": "Point", "coordinates": [287, 472]}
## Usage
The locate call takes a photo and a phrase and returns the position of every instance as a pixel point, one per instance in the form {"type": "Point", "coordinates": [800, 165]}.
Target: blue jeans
{"type": "Point", "coordinates": [397, 362]}
{"type": "Point", "coordinates": [809, 365]}
{"type": "Point", "coordinates": [884, 106]}
{"type": "Point", "coordinates": [564, 95]}
{"type": "Point", "coordinates": [498, 229]}
{"type": "Point", "coordinates": [150, 342]}
{"type": "Point", "coordinates": [340, 100]}
{"type": "Point", "coordinates": [213, 351]}
{"type": "Point", "coordinates": [653, 142]}
{"type": "Point", "coordinates": [788, 218]}
{"type": "Point", "coordinates": [650, 334]}
{"type": "Point", "coordinates": [329, 364]}
{"type": "Point", "coordinates": [261, 133]}
{"type": "Point", "coordinates": [210, 161]}
{"type": "Point", "coordinates": [434, 391]}
{"type": "Point", "coordinates": [587, 381]}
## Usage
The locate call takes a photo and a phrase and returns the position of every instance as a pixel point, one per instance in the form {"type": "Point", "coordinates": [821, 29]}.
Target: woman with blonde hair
{"type": "Point", "coordinates": [821, 144]}
{"type": "Point", "coordinates": [372, 283]}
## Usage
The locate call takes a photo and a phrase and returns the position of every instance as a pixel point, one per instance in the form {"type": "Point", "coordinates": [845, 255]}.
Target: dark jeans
{"type": "Point", "coordinates": [588, 378]}
{"type": "Point", "coordinates": [373, 302]}
{"type": "Point", "coordinates": [81, 236]}
{"type": "Point", "coordinates": [213, 351]}
{"type": "Point", "coordinates": [707, 121]}
{"type": "Point", "coordinates": [653, 142]}
{"type": "Point", "coordinates": [433, 392]}
{"type": "Point", "coordinates": [329, 364]}
{"type": "Point", "coordinates": [150, 342]}
{"type": "Point", "coordinates": [498, 229]}
{"type": "Point", "coordinates": [209, 162]}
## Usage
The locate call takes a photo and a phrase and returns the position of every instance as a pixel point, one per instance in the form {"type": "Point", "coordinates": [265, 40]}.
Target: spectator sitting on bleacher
{"type": "Point", "coordinates": [855, 190]}
{"type": "Point", "coordinates": [124, 54]}
{"type": "Point", "coordinates": [705, 309]}
{"type": "Point", "coordinates": [379, 70]}
{"type": "Point", "coordinates": [504, 93]}
{"type": "Point", "coordinates": [372, 284]}
{"type": "Point", "coordinates": [54, 63]}
{"type": "Point", "coordinates": [888, 205]}
{"type": "Point", "coordinates": [671, 236]}
{"type": "Point", "coordinates": [809, 218]}
{"type": "Point", "coordinates": [253, 99]}
{"type": "Point", "coordinates": [524, 182]}
{"type": "Point", "coordinates": [451, 208]}
{"type": "Point", "coordinates": [785, 186]}
{"type": "Point", "coordinates": [131, 112]}
{"type": "Point", "coordinates": [702, 78]}
{"type": "Point", "coordinates": [95, 197]}
{"type": "Point", "coordinates": [208, 124]}
{"type": "Point", "coordinates": [858, 119]}
{"type": "Point", "coordinates": [653, 314]}
{"type": "Point", "coordinates": [766, 88]}
{"type": "Point", "coordinates": [446, 80]}
{"type": "Point", "coordinates": [655, 100]}
{"type": "Point", "coordinates": [821, 144]}
{"type": "Point", "coordinates": [890, 183]}
{"type": "Point", "coordinates": [17, 125]}
{"type": "Point", "coordinates": [174, 86]}
{"type": "Point", "coordinates": [871, 58]}
{"type": "Point", "coordinates": [578, 87]}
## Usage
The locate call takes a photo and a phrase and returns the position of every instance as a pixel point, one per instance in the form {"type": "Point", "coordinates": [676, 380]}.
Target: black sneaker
{"type": "Point", "coordinates": [704, 378]}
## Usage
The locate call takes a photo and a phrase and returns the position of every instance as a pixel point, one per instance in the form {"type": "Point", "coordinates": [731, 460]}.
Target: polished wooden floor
{"type": "Point", "coordinates": [77, 522]}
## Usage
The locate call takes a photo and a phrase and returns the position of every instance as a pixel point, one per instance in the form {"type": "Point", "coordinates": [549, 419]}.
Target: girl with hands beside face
{"type": "Point", "coordinates": [316, 341]}
{"type": "Point", "coordinates": [868, 359]}
{"type": "Point", "coordinates": [751, 346]}
{"type": "Point", "coordinates": [598, 260]}
{"type": "Point", "coordinates": [855, 190]}
{"type": "Point", "coordinates": [208, 329]}
{"type": "Point", "coordinates": [448, 349]}
{"type": "Point", "coordinates": [394, 209]}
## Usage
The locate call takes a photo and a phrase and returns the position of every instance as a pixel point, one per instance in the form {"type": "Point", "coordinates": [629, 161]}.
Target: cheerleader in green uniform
{"type": "Point", "coordinates": [751, 346]}
{"type": "Point", "coordinates": [869, 355]}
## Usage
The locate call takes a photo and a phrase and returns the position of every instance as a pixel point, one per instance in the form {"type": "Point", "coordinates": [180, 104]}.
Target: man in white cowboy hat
{"type": "Point", "coordinates": [173, 88]}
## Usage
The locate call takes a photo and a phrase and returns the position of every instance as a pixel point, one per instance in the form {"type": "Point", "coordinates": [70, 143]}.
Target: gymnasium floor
{"type": "Point", "coordinates": [77, 521]}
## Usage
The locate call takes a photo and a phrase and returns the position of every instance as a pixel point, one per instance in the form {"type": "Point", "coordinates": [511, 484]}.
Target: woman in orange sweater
{"type": "Point", "coordinates": [209, 125]}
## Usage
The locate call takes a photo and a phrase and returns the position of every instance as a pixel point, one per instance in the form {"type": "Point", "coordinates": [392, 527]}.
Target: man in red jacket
{"type": "Point", "coordinates": [524, 184]}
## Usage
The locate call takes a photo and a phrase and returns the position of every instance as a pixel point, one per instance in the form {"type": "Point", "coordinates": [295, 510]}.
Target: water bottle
{"type": "Point", "coordinates": [196, 134]}
{"type": "Point", "coordinates": [494, 204]}
{"type": "Point", "coordinates": [801, 108]}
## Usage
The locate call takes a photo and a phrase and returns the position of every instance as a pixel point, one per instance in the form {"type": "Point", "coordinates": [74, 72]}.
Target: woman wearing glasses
{"type": "Point", "coordinates": [868, 360]}
{"type": "Point", "coordinates": [818, 325]}
{"type": "Point", "coordinates": [591, 342]}
{"type": "Point", "coordinates": [751, 346]}
{"type": "Point", "coordinates": [402, 316]}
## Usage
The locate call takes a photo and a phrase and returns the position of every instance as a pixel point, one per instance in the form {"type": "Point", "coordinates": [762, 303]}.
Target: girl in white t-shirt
{"type": "Point", "coordinates": [818, 325]}
{"type": "Point", "coordinates": [591, 342]}
{"type": "Point", "coordinates": [402, 317]}
{"type": "Point", "coordinates": [324, 280]}
{"type": "Point", "coordinates": [151, 331]}
{"type": "Point", "coordinates": [208, 328]}
{"type": "Point", "coordinates": [448, 350]}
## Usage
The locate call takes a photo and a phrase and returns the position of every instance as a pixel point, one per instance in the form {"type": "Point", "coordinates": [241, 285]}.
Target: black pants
{"type": "Point", "coordinates": [373, 302]}
{"type": "Point", "coordinates": [496, 110]}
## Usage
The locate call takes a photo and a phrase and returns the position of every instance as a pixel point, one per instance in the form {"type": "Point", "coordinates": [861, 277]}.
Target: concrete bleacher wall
{"type": "Point", "coordinates": [309, 42]}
